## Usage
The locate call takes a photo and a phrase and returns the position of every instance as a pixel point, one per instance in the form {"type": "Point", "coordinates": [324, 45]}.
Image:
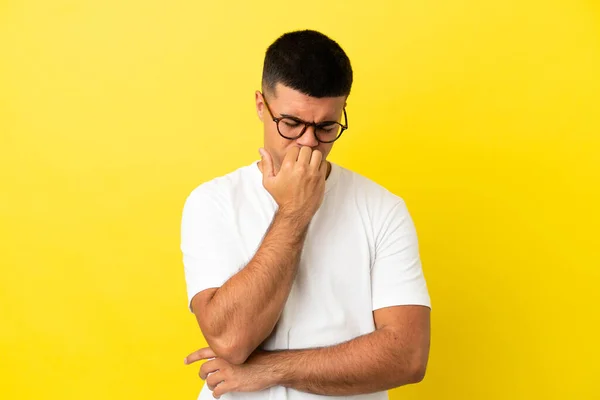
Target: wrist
{"type": "Point", "coordinates": [294, 222]}
{"type": "Point", "coordinates": [276, 370]}
{"type": "Point", "coordinates": [270, 372]}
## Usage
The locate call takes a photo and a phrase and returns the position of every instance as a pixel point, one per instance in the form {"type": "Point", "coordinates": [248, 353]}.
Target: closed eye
{"type": "Point", "coordinates": [290, 122]}
{"type": "Point", "coordinates": [327, 127]}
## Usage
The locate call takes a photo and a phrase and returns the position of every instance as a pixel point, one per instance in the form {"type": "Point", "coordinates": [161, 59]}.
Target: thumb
{"type": "Point", "coordinates": [267, 163]}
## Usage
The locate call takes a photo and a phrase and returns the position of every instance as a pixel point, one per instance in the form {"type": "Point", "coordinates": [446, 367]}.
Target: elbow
{"type": "Point", "coordinates": [417, 373]}
{"type": "Point", "coordinates": [229, 346]}
{"type": "Point", "coordinates": [230, 350]}
{"type": "Point", "coordinates": [417, 366]}
{"type": "Point", "coordinates": [413, 371]}
{"type": "Point", "coordinates": [233, 355]}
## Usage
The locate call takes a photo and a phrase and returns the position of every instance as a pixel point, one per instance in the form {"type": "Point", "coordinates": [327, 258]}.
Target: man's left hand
{"type": "Point", "coordinates": [222, 377]}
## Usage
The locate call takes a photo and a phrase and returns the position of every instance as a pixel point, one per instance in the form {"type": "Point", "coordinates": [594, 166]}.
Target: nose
{"type": "Point", "coordinates": [308, 138]}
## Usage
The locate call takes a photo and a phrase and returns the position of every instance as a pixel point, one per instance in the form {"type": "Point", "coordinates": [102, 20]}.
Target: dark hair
{"type": "Point", "coordinates": [310, 62]}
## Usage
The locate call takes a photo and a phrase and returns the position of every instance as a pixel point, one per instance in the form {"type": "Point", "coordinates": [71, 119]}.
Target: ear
{"type": "Point", "coordinates": [260, 104]}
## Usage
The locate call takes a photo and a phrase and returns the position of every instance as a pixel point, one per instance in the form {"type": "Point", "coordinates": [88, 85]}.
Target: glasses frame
{"type": "Point", "coordinates": [316, 125]}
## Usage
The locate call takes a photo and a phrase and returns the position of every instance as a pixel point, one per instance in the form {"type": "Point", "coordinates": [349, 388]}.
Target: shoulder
{"type": "Point", "coordinates": [368, 192]}
{"type": "Point", "coordinates": [217, 192]}
{"type": "Point", "coordinates": [385, 212]}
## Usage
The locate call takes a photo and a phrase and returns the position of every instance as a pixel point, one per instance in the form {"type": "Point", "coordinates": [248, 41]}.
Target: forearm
{"type": "Point", "coordinates": [243, 312]}
{"type": "Point", "coordinates": [371, 363]}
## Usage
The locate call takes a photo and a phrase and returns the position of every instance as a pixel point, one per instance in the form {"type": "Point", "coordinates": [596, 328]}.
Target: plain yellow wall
{"type": "Point", "coordinates": [483, 115]}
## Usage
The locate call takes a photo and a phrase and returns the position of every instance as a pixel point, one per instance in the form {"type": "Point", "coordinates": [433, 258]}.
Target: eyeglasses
{"type": "Point", "coordinates": [292, 128]}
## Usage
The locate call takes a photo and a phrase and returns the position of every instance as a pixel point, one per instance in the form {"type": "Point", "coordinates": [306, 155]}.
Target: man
{"type": "Point", "coordinates": [305, 277]}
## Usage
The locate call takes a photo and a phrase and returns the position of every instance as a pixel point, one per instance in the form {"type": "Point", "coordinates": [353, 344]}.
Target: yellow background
{"type": "Point", "coordinates": [483, 115]}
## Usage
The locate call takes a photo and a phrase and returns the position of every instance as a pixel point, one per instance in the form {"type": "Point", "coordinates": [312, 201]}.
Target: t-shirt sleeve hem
{"type": "Point", "coordinates": [207, 283]}
{"type": "Point", "coordinates": [390, 302]}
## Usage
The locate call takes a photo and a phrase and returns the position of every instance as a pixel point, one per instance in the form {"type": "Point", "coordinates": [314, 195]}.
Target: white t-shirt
{"type": "Point", "coordinates": [360, 254]}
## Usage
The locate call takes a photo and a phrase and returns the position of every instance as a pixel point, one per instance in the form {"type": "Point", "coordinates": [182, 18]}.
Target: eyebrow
{"type": "Point", "coordinates": [329, 121]}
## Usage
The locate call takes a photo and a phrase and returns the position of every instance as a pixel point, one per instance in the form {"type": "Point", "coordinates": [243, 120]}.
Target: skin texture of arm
{"type": "Point", "coordinates": [237, 317]}
{"type": "Point", "coordinates": [395, 354]}
{"type": "Point", "coordinates": [241, 314]}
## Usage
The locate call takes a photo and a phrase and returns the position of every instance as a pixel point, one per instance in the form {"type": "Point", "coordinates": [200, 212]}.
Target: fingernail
{"type": "Point", "coordinates": [185, 361]}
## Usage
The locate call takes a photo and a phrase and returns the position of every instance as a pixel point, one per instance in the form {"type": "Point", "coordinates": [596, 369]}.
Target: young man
{"type": "Point", "coordinates": [305, 277]}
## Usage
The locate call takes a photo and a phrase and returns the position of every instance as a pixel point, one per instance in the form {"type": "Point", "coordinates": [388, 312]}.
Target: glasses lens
{"type": "Point", "coordinates": [329, 132]}
{"type": "Point", "coordinates": [290, 128]}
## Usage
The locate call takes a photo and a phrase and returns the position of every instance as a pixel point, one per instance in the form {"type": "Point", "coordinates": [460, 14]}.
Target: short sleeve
{"type": "Point", "coordinates": [211, 253]}
{"type": "Point", "coordinates": [396, 275]}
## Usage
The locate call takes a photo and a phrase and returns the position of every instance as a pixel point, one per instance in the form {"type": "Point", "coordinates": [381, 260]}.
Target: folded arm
{"type": "Point", "coordinates": [395, 354]}
{"type": "Point", "coordinates": [241, 314]}
{"type": "Point", "coordinates": [238, 316]}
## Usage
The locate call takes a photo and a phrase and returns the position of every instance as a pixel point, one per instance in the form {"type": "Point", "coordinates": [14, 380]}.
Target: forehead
{"type": "Point", "coordinates": [292, 102]}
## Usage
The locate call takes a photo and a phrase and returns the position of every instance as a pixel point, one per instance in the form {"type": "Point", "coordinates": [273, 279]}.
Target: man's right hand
{"type": "Point", "coordinates": [299, 186]}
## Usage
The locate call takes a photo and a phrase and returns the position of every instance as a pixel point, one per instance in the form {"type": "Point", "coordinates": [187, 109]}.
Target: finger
{"type": "Point", "coordinates": [267, 163]}
{"type": "Point", "coordinates": [221, 389]}
{"type": "Point", "coordinates": [198, 355]}
{"type": "Point", "coordinates": [214, 379]}
{"type": "Point", "coordinates": [208, 368]}
{"type": "Point", "coordinates": [315, 159]}
{"type": "Point", "coordinates": [304, 155]}
{"type": "Point", "coordinates": [324, 167]}
{"type": "Point", "coordinates": [291, 156]}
